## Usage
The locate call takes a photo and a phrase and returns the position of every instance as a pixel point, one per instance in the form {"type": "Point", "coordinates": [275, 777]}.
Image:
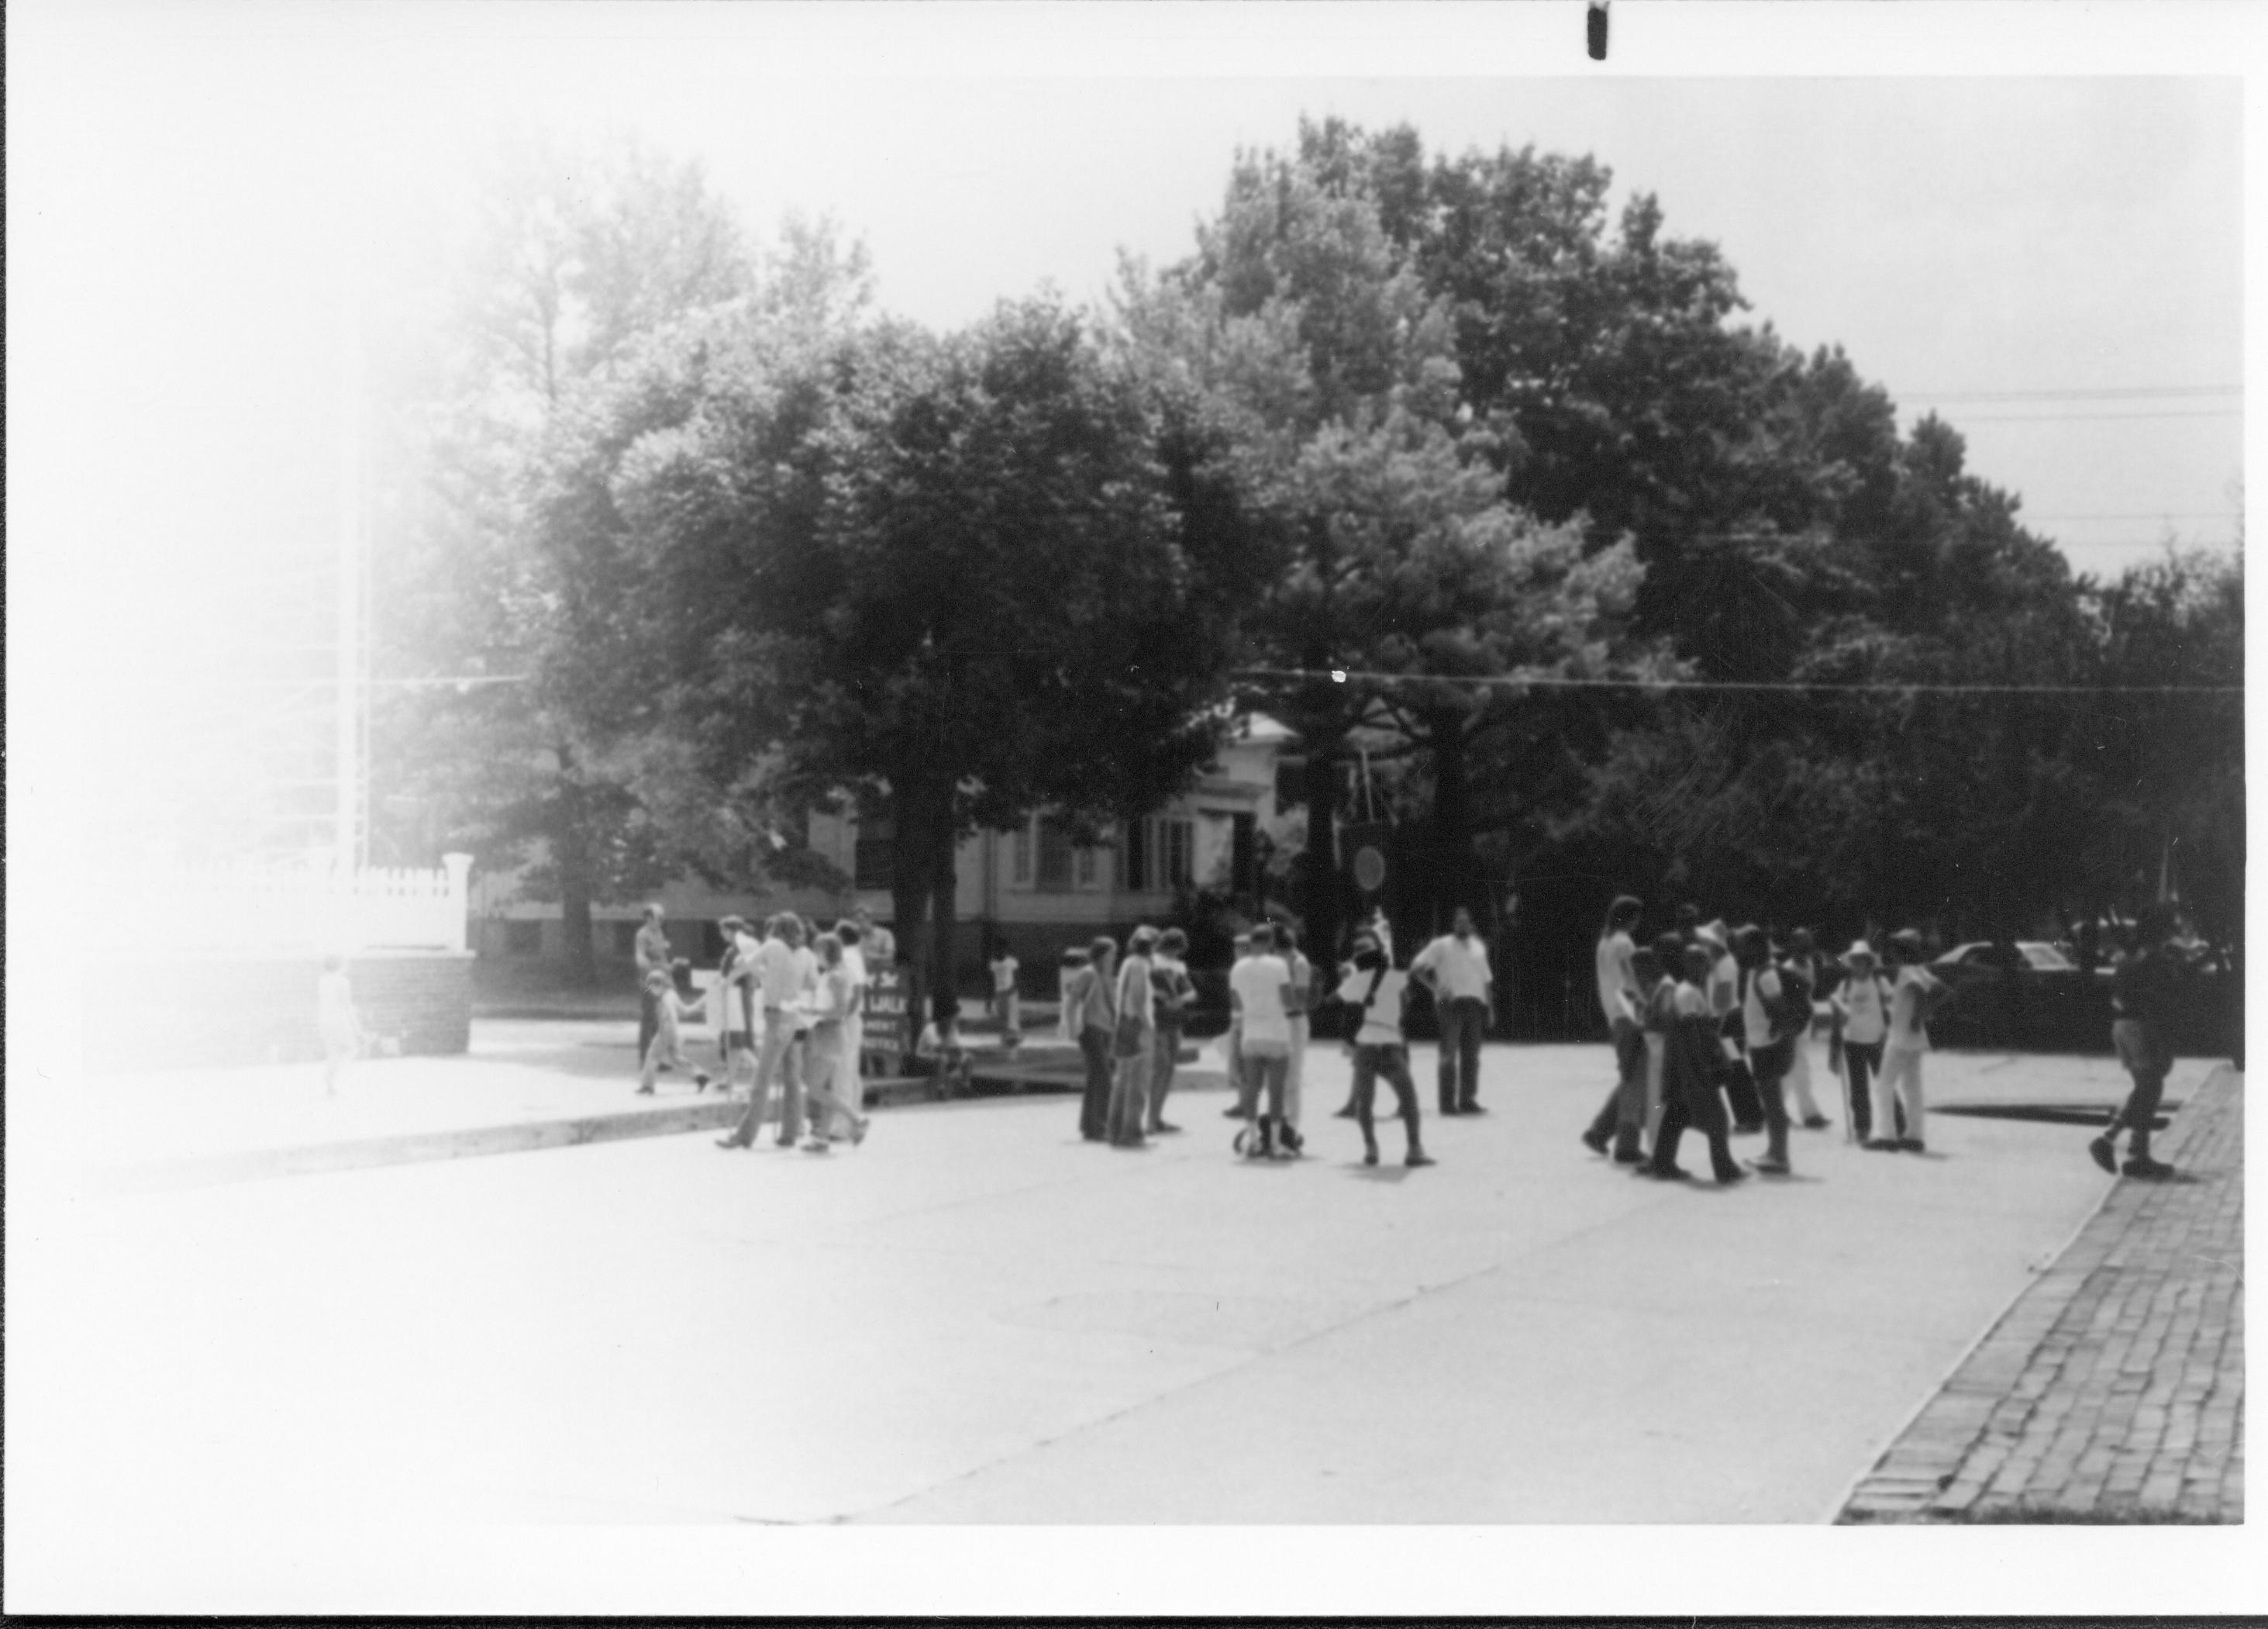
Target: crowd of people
{"type": "Point", "coordinates": [1711, 1028]}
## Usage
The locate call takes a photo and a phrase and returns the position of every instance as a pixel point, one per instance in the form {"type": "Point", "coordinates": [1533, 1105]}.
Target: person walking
{"type": "Point", "coordinates": [825, 1057]}
{"type": "Point", "coordinates": [1133, 1044]}
{"type": "Point", "coordinates": [1861, 1006]}
{"type": "Point", "coordinates": [1454, 968]}
{"type": "Point", "coordinates": [1095, 1022]}
{"type": "Point", "coordinates": [651, 949]}
{"type": "Point", "coordinates": [1622, 1115]}
{"type": "Point", "coordinates": [1374, 988]}
{"type": "Point", "coordinates": [1173, 990]}
{"type": "Point", "coordinates": [1657, 966]}
{"type": "Point", "coordinates": [671, 1011]}
{"type": "Point", "coordinates": [1693, 1059]}
{"type": "Point", "coordinates": [1724, 991]}
{"type": "Point", "coordinates": [737, 1002]}
{"type": "Point", "coordinates": [1256, 987]}
{"type": "Point", "coordinates": [1914, 996]}
{"type": "Point", "coordinates": [851, 1083]}
{"type": "Point", "coordinates": [2141, 1001]}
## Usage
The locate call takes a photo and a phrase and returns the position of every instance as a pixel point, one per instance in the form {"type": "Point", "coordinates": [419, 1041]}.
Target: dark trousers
{"type": "Point", "coordinates": [1462, 1020]}
{"type": "Point", "coordinates": [1861, 1062]}
{"type": "Point", "coordinates": [1392, 1063]}
{"type": "Point", "coordinates": [1768, 1068]}
{"type": "Point", "coordinates": [1693, 1102]}
{"type": "Point", "coordinates": [1740, 1087]}
{"type": "Point", "coordinates": [1094, 1105]}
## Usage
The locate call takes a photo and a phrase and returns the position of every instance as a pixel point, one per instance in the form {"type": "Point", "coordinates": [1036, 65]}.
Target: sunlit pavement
{"type": "Point", "coordinates": [978, 1317]}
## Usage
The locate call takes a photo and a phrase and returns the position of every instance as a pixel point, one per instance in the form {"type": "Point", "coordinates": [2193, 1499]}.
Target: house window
{"type": "Point", "coordinates": [1158, 855]}
{"type": "Point", "coordinates": [1176, 856]}
{"type": "Point", "coordinates": [1022, 856]}
{"type": "Point", "coordinates": [1087, 869]}
{"type": "Point", "coordinates": [1055, 858]}
{"type": "Point", "coordinates": [523, 939]}
{"type": "Point", "coordinates": [1141, 865]}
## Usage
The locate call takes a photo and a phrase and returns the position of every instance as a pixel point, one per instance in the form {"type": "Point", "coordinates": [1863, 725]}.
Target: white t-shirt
{"type": "Point", "coordinates": [1617, 982]}
{"type": "Point", "coordinates": [854, 973]}
{"type": "Point", "coordinates": [1864, 1019]}
{"type": "Point", "coordinates": [1460, 967]}
{"type": "Point", "coordinates": [1908, 1032]}
{"type": "Point", "coordinates": [1004, 974]}
{"type": "Point", "coordinates": [1257, 983]}
{"type": "Point", "coordinates": [1382, 1022]}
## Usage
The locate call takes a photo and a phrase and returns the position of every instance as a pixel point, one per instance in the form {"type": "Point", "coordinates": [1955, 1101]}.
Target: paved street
{"type": "Point", "coordinates": [975, 1317]}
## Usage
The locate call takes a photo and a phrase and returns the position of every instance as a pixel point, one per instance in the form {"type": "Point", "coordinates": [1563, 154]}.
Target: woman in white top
{"type": "Point", "coordinates": [1862, 1005]}
{"type": "Point", "coordinates": [1374, 988]}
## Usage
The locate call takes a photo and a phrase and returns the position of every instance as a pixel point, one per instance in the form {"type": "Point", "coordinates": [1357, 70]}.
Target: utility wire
{"type": "Point", "coordinates": [1553, 682]}
{"type": "Point", "coordinates": [2113, 393]}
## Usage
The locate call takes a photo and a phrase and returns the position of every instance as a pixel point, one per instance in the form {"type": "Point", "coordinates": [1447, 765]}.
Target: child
{"type": "Point", "coordinates": [1913, 998]}
{"type": "Point", "coordinates": [1861, 1006]}
{"type": "Point", "coordinates": [1005, 1003]}
{"type": "Point", "coordinates": [670, 1009]}
{"type": "Point", "coordinates": [335, 1019]}
{"type": "Point", "coordinates": [1374, 988]}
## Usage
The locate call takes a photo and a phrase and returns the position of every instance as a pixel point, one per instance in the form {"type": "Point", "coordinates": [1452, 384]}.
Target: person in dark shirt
{"type": "Point", "coordinates": [2141, 995]}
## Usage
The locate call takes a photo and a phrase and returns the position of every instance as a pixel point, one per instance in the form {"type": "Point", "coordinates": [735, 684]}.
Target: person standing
{"type": "Point", "coordinates": [1455, 969]}
{"type": "Point", "coordinates": [735, 1016]}
{"type": "Point", "coordinates": [651, 949]}
{"type": "Point", "coordinates": [1096, 1025]}
{"type": "Point", "coordinates": [876, 943]}
{"type": "Point", "coordinates": [1171, 985]}
{"type": "Point", "coordinates": [1693, 1058]}
{"type": "Point", "coordinates": [1914, 996]}
{"type": "Point", "coordinates": [1724, 991]}
{"type": "Point", "coordinates": [336, 1021]}
{"type": "Point", "coordinates": [1232, 1043]}
{"type": "Point", "coordinates": [1374, 988]}
{"type": "Point", "coordinates": [1803, 963]}
{"type": "Point", "coordinates": [776, 973]}
{"type": "Point", "coordinates": [2142, 1002]}
{"type": "Point", "coordinates": [1256, 989]}
{"type": "Point", "coordinates": [851, 1083]}
{"type": "Point", "coordinates": [1006, 1004]}
{"type": "Point", "coordinates": [825, 1059]}
{"type": "Point", "coordinates": [1133, 1041]}
{"type": "Point", "coordinates": [1767, 1000]}
{"type": "Point", "coordinates": [1622, 1115]}
{"type": "Point", "coordinates": [1298, 1000]}
{"type": "Point", "coordinates": [1862, 1021]}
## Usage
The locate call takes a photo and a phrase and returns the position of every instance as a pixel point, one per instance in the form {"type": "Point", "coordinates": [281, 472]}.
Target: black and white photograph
{"type": "Point", "coordinates": [1123, 809]}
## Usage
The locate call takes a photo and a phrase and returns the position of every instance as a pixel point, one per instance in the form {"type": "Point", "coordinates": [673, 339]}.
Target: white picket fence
{"type": "Point", "coordinates": [296, 908]}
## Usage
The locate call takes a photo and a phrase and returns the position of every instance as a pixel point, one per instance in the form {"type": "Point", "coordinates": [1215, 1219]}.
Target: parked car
{"type": "Point", "coordinates": [2028, 995]}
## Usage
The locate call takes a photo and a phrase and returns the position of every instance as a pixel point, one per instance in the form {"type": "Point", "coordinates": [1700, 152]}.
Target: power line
{"type": "Point", "coordinates": [2112, 392]}
{"type": "Point", "coordinates": [2092, 418]}
{"type": "Point", "coordinates": [1554, 682]}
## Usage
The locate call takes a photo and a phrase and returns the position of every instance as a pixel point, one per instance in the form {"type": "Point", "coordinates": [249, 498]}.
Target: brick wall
{"type": "Point", "coordinates": [214, 1012]}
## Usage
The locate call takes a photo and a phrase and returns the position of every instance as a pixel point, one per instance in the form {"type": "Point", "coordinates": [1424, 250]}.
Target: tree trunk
{"type": "Point", "coordinates": [571, 859]}
{"type": "Point", "coordinates": [1452, 847]}
{"type": "Point", "coordinates": [948, 996]}
{"type": "Point", "coordinates": [911, 883]}
{"type": "Point", "coordinates": [1319, 905]}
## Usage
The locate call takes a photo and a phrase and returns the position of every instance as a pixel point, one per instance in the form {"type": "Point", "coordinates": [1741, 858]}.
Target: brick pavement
{"type": "Point", "coordinates": [2113, 1389]}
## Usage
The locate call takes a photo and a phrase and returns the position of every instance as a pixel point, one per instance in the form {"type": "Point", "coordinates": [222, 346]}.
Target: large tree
{"type": "Point", "coordinates": [954, 579]}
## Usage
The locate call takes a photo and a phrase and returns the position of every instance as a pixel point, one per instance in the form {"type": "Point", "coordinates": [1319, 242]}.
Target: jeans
{"type": "Point", "coordinates": [1393, 1063]}
{"type": "Point", "coordinates": [776, 1061]}
{"type": "Point", "coordinates": [1770, 1065]}
{"type": "Point", "coordinates": [1262, 1072]}
{"type": "Point", "coordinates": [1094, 1104]}
{"type": "Point", "coordinates": [826, 1069]}
{"type": "Point", "coordinates": [1163, 1059]}
{"type": "Point", "coordinates": [2149, 1061]}
{"type": "Point", "coordinates": [1861, 1061]}
{"type": "Point", "coordinates": [1462, 1018]}
{"type": "Point", "coordinates": [1130, 1089]}
{"type": "Point", "coordinates": [1622, 1115]}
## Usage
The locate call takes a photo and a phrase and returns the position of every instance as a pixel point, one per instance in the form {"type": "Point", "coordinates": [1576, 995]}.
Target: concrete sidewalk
{"type": "Point", "coordinates": [978, 1317]}
{"type": "Point", "coordinates": [2113, 1390]}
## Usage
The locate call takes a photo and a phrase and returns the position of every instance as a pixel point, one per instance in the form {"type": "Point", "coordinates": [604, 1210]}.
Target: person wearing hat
{"type": "Point", "coordinates": [1691, 1064]}
{"type": "Point", "coordinates": [1914, 995]}
{"type": "Point", "coordinates": [1861, 1006]}
{"type": "Point", "coordinates": [1373, 987]}
{"type": "Point", "coordinates": [2142, 993]}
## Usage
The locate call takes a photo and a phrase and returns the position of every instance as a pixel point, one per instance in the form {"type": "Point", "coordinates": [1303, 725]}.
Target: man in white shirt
{"type": "Point", "coordinates": [1455, 968]}
{"type": "Point", "coordinates": [779, 974]}
{"type": "Point", "coordinates": [1255, 996]}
